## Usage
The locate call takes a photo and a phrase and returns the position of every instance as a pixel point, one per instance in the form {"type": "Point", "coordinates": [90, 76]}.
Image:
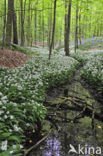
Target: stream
{"type": "Point", "coordinates": [74, 118]}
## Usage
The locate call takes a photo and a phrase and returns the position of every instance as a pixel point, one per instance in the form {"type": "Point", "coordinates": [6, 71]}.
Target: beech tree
{"type": "Point", "coordinates": [15, 35]}
{"type": "Point", "coordinates": [76, 28]}
{"type": "Point", "coordinates": [53, 32]}
{"type": "Point", "coordinates": [9, 21]}
{"type": "Point", "coordinates": [67, 29]}
{"type": "Point", "coordinates": [30, 22]}
{"type": "Point", "coordinates": [22, 22]}
{"type": "Point", "coordinates": [4, 26]}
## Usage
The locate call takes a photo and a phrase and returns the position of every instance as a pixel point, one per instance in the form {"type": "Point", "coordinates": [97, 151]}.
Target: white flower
{"type": "Point", "coordinates": [11, 117]}
{"type": "Point", "coordinates": [4, 107]}
{"type": "Point", "coordinates": [16, 128]}
{"type": "Point", "coordinates": [7, 112]}
{"type": "Point", "coordinates": [4, 101]}
{"type": "Point", "coordinates": [1, 112]}
{"type": "Point", "coordinates": [0, 103]}
{"type": "Point", "coordinates": [28, 124]}
{"type": "Point", "coordinates": [4, 145]}
{"type": "Point", "coordinates": [5, 116]}
{"type": "Point", "coordinates": [1, 94]}
{"type": "Point", "coordinates": [11, 152]}
{"type": "Point", "coordinates": [10, 130]}
{"type": "Point", "coordinates": [14, 146]}
{"type": "Point", "coordinates": [4, 98]}
{"type": "Point", "coordinates": [21, 146]}
{"type": "Point", "coordinates": [15, 104]}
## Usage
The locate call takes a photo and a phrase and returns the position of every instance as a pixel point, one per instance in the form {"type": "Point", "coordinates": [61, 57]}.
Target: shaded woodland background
{"type": "Point", "coordinates": [50, 23]}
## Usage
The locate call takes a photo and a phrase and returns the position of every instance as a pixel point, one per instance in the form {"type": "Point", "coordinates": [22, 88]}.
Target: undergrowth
{"type": "Point", "coordinates": [22, 92]}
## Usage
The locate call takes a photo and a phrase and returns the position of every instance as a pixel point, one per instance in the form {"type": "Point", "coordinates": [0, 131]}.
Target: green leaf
{"type": "Point", "coordinates": [15, 138]}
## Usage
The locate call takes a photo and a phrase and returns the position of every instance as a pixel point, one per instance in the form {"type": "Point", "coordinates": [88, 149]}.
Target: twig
{"type": "Point", "coordinates": [37, 144]}
{"type": "Point", "coordinates": [79, 115]}
{"type": "Point", "coordinates": [76, 100]}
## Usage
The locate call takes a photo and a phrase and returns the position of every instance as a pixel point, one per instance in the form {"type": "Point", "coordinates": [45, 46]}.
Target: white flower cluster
{"type": "Point", "coordinates": [93, 70]}
{"type": "Point", "coordinates": [4, 145]}
{"type": "Point", "coordinates": [23, 91]}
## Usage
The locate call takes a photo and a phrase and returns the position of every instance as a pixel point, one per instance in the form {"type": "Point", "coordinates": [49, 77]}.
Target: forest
{"type": "Point", "coordinates": [51, 77]}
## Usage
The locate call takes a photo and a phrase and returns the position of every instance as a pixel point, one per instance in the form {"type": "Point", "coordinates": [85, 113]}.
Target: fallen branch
{"type": "Point", "coordinates": [77, 99]}
{"type": "Point", "coordinates": [37, 144]}
{"type": "Point", "coordinates": [78, 107]}
{"type": "Point", "coordinates": [80, 114]}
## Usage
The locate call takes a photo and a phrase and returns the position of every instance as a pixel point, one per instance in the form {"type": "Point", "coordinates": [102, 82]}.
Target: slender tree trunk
{"type": "Point", "coordinates": [22, 25]}
{"type": "Point", "coordinates": [39, 27]}
{"type": "Point", "coordinates": [19, 23]}
{"type": "Point", "coordinates": [35, 38]}
{"type": "Point", "coordinates": [80, 27]}
{"type": "Point", "coordinates": [101, 28]}
{"type": "Point", "coordinates": [43, 25]}
{"type": "Point", "coordinates": [22, 22]}
{"type": "Point", "coordinates": [29, 24]}
{"type": "Point", "coordinates": [49, 26]}
{"type": "Point", "coordinates": [66, 24]}
{"type": "Point", "coordinates": [15, 36]}
{"type": "Point", "coordinates": [31, 30]}
{"type": "Point", "coordinates": [83, 27]}
{"type": "Point", "coordinates": [90, 27]}
{"type": "Point", "coordinates": [35, 27]}
{"type": "Point", "coordinates": [4, 24]}
{"type": "Point", "coordinates": [43, 31]}
{"type": "Point", "coordinates": [60, 39]}
{"type": "Point", "coordinates": [49, 31]}
{"type": "Point", "coordinates": [53, 32]}
{"type": "Point", "coordinates": [76, 28]}
{"type": "Point", "coordinates": [86, 27]}
{"type": "Point", "coordinates": [9, 21]}
{"type": "Point", "coordinates": [67, 34]}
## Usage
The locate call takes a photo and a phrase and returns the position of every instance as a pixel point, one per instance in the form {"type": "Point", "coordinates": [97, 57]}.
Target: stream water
{"type": "Point", "coordinates": [72, 122]}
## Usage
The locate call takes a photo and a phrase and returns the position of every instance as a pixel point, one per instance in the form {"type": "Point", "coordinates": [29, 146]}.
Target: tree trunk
{"type": "Point", "coordinates": [76, 28]}
{"type": "Point", "coordinates": [22, 22]}
{"type": "Point", "coordinates": [35, 38]}
{"type": "Point", "coordinates": [35, 27]}
{"type": "Point", "coordinates": [80, 28]}
{"type": "Point", "coordinates": [43, 29]}
{"type": "Point", "coordinates": [53, 32]}
{"type": "Point", "coordinates": [67, 34]}
{"type": "Point", "coordinates": [49, 26]}
{"type": "Point", "coordinates": [15, 36]}
{"type": "Point", "coordinates": [60, 39]}
{"type": "Point", "coordinates": [31, 30]}
{"type": "Point", "coordinates": [22, 25]}
{"type": "Point", "coordinates": [29, 24]}
{"type": "Point", "coordinates": [4, 24]}
{"type": "Point", "coordinates": [39, 27]}
{"type": "Point", "coordinates": [66, 24]}
{"type": "Point", "coordinates": [90, 28]}
{"type": "Point", "coordinates": [9, 21]}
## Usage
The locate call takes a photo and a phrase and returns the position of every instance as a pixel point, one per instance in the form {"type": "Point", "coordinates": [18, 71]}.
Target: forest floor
{"type": "Point", "coordinates": [24, 90]}
{"type": "Point", "coordinates": [12, 59]}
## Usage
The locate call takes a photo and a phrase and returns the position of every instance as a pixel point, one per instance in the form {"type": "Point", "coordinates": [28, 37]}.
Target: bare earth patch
{"type": "Point", "coordinates": [12, 59]}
